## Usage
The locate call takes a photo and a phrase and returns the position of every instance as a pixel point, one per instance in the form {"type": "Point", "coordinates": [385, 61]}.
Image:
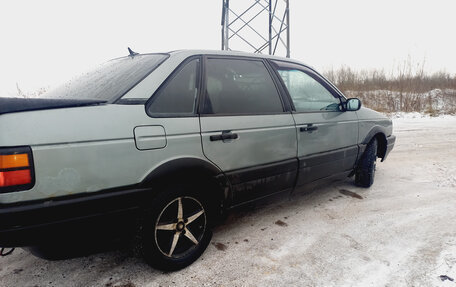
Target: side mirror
{"type": "Point", "coordinates": [352, 104]}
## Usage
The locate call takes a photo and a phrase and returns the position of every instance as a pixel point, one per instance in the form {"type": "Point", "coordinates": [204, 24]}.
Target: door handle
{"type": "Point", "coordinates": [309, 128]}
{"type": "Point", "coordinates": [226, 135]}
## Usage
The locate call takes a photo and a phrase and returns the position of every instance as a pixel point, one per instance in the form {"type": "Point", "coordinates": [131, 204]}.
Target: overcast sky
{"type": "Point", "coordinates": [45, 42]}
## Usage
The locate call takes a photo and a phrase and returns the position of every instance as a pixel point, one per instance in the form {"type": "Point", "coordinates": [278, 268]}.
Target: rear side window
{"type": "Point", "coordinates": [236, 86]}
{"type": "Point", "coordinates": [110, 80]}
{"type": "Point", "coordinates": [178, 95]}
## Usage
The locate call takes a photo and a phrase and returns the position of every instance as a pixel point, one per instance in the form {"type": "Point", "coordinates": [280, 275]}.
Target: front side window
{"type": "Point", "coordinates": [178, 95]}
{"type": "Point", "coordinates": [307, 93]}
{"type": "Point", "coordinates": [236, 86]}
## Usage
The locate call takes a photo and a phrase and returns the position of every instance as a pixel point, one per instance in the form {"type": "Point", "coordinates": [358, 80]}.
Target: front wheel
{"type": "Point", "coordinates": [176, 231]}
{"type": "Point", "coordinates": [365, 172]}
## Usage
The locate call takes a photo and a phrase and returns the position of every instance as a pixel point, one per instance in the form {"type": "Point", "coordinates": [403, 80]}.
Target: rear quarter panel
{"type": "Point", "coordinates": [88, 149]}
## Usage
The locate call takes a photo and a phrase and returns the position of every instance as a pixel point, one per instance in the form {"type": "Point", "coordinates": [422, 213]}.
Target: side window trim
{"type": "Point", "coordinates": [284, 96]}
{"type": "Point", "coordinates": [202, 92]}
{"type": "Point", "coordinates": [170, 78]}
{"type": "Point", "coordinates": [201, 109]}
{"type": "Point", "coordinates": [276, 65]}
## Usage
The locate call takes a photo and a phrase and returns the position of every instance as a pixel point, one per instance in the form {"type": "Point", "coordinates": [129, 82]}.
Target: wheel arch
{"type": "Point", "coordinates": [194, 171]}
{"type": "Point", "coordinates": [378, 133]}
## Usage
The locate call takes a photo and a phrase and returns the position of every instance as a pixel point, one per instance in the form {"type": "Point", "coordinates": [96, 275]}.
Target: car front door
{"type": "Point", "coordinates": [327, 135]}
{"type": "Point", "coordinates": [246, 129]}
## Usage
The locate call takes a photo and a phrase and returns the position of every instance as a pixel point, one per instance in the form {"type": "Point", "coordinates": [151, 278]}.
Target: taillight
{"type": "Point", "coordinates": [16, 169]}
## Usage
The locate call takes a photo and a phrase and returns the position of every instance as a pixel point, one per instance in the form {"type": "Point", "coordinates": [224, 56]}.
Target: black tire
{"type": "Point", "coordinates": [365, 172]}
{"type": "Point", "coordinates": [176, 230]}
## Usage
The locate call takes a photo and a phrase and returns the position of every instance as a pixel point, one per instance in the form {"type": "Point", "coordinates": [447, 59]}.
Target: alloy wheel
{"type": "Point", "coordinates": [180, 227]}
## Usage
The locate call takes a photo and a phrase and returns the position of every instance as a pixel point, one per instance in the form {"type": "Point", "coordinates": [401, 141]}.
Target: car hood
{"type": "Point", "coordinates": [11, 105]}
{"type": "Point", "coordinates": [369, 114]}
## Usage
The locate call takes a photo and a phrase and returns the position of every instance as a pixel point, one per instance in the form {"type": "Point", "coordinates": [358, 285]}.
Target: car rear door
{"type": "Point", "coordinates": [327, 136]}
{"type": "Point", "coordinates": [246, 128]}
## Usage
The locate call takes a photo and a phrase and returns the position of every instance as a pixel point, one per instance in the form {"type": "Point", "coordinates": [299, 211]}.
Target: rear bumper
{"type": "Point", "coordinates": [389, 145]}
{"type": "Point", "coordinates": [38, 222]}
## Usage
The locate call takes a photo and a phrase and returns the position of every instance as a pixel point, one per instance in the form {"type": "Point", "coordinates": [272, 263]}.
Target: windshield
{"type": "Point", "coordinates": [109, 81]}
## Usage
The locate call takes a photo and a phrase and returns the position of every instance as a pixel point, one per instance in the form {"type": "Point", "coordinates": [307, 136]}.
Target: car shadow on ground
{"type": "Point", "coordinates": [75, 248]}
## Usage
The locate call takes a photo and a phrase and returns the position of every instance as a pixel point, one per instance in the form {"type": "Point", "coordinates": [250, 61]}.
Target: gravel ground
{"type": "Point", "coordinates": [399, 232]}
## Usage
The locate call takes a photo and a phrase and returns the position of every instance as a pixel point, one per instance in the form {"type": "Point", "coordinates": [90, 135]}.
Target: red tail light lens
{"type": "Point", "coordinates": [16, 169]}
{"type": "Point", "coordinates": [17, 177]}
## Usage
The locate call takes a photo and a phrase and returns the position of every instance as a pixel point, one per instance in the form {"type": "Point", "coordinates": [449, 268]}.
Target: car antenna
{"type": "Point", "coordinates": [132, 53]}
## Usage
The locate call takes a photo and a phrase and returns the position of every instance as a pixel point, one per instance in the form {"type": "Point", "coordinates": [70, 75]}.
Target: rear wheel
{"type": "Point", "coordinates": [176, 231]}
{"type": "Point", "coordinates": [365, 172]}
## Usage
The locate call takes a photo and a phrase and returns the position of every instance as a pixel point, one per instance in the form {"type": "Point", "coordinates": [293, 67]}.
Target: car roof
{"type": "Point", "coordinates": [188, 53]}
{"type": "Point", "coordinates": [231, 53]}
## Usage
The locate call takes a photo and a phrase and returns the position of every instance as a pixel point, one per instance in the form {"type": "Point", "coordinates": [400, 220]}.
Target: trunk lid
{"type": "Point", "coordinates": [12, 105]}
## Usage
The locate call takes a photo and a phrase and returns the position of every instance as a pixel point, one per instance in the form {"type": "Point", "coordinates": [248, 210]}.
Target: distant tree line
{"type": "Point", "coordinates": [348, 79]}
{"type": "Point", "coordinates": [407, 89]}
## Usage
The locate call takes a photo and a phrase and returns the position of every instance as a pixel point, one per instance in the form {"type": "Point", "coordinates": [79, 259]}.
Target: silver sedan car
{"type": "Point", "coordinates": [165, 144]}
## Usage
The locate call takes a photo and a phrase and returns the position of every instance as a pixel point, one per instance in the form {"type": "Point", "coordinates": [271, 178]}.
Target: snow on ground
{"type": "Point", "coordinates": [403, 116]}
{"type": "Point", "coordinates": [399, 232]}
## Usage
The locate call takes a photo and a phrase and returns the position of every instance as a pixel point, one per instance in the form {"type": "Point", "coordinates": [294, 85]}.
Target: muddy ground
{"type": "Point", "coordinates": [400, 232]}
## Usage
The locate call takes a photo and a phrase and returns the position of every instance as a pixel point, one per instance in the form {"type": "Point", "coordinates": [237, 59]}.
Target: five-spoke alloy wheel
{"type": "Point", "coordinates": [179, 230]}
{"type": "Point", "coordinates": [175, 231]}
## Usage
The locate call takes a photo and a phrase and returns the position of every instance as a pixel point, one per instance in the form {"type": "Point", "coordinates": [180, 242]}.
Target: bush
{"type": "Point", "coordinates": [407, 90]}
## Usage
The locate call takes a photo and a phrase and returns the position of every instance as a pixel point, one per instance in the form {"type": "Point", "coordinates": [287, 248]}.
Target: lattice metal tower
{"type": "Point", "coordinates": [261, 25]}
